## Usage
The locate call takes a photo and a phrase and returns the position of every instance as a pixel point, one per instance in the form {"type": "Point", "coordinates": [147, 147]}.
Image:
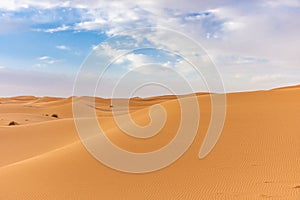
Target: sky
{"type": "Point", "coordinates": [45, 46]}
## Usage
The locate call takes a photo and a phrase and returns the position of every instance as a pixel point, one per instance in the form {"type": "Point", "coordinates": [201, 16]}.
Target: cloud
{"type": "Point", "coordinates": [14, 5]}
{"type": "Point", "coordinates": [279, 3]}
{"type": "Point", "coordinates": [241, 60]}
{"type": "Point", "coordinates": [141, 61]}
{"type": "Point", "coordinates": [135, 60]}
{"type": "Point", "coordinates": [23, 82]}
{"type": "Point", "coordinates": [45, 61]}
{"type": "Point", "coordinates": [53, 30]}
{"type": "Point", "coordinates": [44, 58]}
{"type": "Point", "coordinates": [267, 78]}
{"type": "Point", "coordinates": [248, 39]}
{"type": "Point", "coordinates": [90, 25]}
{"type": "Point", "coordinates": [109, 50]}
{"type": "Point", "coordinates": [62, 47]}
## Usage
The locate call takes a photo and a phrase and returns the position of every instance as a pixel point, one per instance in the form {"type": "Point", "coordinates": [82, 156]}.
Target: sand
{"type": "Point", "coordinates": [256, 157]}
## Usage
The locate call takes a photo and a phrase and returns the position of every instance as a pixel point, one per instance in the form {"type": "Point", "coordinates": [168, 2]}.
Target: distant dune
{"type": "Point", "coordinates": [257, 156]}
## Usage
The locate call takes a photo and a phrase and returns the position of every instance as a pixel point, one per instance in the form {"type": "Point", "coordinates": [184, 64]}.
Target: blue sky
{"type": "Point", "coordinates": [254, 44]}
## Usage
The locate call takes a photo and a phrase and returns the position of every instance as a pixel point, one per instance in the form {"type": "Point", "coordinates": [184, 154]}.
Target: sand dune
{"type": "Point", "coordinates": [257, 156]}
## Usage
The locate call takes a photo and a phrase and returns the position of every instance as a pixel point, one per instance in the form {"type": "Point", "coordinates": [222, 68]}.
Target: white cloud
{"type": "Point", "coordinates": [135, 60]}
{"type": "Point", "coordinates": [62, 47]}
{"type": "Point", "coordinates": [131, 60]}
{"type": "Point", "coordinates": [109, 52]}
{"type": "Point", "coordinates": [53, 30]}
{"type": "Point", "coordinates": [90, 25]}
{"type": "Point", "coordinates": [233, 26]}
{"type": "Point", "coordinates": [24, 82]}
{"type": "Point", "coordinates": [246, 38]}
{"type": "Point", "coordinates": [44, 58]}
{"type": "Point", "coordinates": [278, 3]}
{"type": "Point", "coordinates": [45, 61]}
{"type": "Point", "coordinates": [10, 5]}
{"type": "Point", "coordinates": [267, 78]}
{"type": "Point", "coordinates": [20, 4]}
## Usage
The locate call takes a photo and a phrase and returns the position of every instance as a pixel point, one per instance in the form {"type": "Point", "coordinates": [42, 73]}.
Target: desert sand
{"type": "Point", "coordinates": [256, 157]}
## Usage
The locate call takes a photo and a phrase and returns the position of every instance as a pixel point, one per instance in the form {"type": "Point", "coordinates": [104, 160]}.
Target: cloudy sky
{"type": "Point", "coordinates": [253, 44]}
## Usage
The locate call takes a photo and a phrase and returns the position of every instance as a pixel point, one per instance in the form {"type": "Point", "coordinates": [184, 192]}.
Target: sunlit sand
{"type": "Point", "coordinates": [256, 157]}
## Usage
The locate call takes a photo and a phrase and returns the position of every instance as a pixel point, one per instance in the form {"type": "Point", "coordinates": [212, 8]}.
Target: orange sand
{"type": "Point", "coordinates": [257, 156]}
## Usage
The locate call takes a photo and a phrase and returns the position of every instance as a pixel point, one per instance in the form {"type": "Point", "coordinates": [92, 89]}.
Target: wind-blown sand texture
{"type": "Point", "coordinates": [257, 156]}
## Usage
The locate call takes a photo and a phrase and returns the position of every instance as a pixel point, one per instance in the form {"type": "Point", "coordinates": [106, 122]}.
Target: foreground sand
{"type": "Point", "coordinates": [257, 156]}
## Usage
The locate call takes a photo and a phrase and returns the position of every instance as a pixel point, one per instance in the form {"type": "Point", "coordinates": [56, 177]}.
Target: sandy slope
{"type": "Point", "coordinates": [257, 156]}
